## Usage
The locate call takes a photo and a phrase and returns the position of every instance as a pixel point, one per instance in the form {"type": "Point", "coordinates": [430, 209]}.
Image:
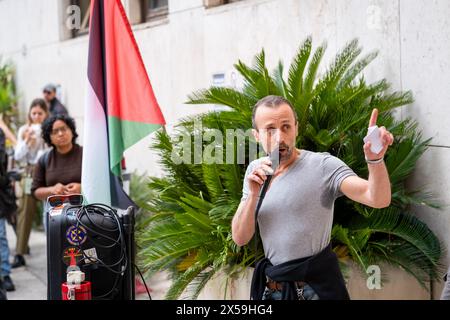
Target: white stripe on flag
{"type": "Point", "coordinates": [95, 179]}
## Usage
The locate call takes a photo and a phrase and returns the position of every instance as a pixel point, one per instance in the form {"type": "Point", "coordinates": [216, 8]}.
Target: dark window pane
{"type": "Point", "coordinates": [154, 9]}
{"type": "Point", "coordinates": [157, 4]}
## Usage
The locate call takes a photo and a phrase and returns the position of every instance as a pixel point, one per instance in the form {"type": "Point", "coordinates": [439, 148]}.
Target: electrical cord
{"type": "Point", "coordinates": [108, 213]}
{"type": "Point", "coordinates": [122, 243]}
{"type": "Point", "coordinates": [115, 241]}
{"type": "Point", "coordinates": [143, 281]}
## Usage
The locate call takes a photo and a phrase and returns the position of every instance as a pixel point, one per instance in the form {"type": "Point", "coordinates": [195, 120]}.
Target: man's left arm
{"type": "Point", "coordinates": [376, 191]}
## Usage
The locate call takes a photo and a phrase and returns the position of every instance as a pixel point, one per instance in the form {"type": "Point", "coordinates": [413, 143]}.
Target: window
{"type": "Point", "coordinates": [215, 3]}
{"type": "Point", "coordinates": [84, 6]}
{"type": "Point", "coordinates": [154, 9]}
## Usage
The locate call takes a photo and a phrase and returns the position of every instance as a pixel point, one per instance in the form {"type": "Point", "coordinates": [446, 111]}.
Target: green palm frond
{"type": "Point", "coordinates": [297, 68]}
{"type": "Point", "coordinates": [197, 202]}
{"type": "Point", "coordinates": [340, 65]}
{"type": "Point", "coordinates": [163, 253]}
{"type": "Point", "coordinates": [355, 240]}
{"type": "Point", "coordinates": [182, 281]}
{"type": "Point", "coordinates": [223, 96]}
{"type": "Point", "coordinates": [211, 176]}
{"type": "Point", "coordinates": [187, 176]}
{"type": "Point", "coordinates": [166, 228]}
{"type": "Point", "coordinates": [406, 227]}
{"type": "Point", "coordinates": [192, 279]}
{"type": "Point", "coordinates": [218, 120]}
{"type": "Point", "coordinates": [232, 180]}
{"type": "Point", "coordinates": [406, 256]}
{"type": "Point", "coordinates": [313, 67]}
{"type": "Point", "coordinates": [406, 156]}
{"type": "Point", "coordinates": [258, 81]}
{"type": "Point", "coordinates": [356, 70]}
{"type": "Point", "coordinates": [141, 193]}
{"type": "Point", "coordinates": [223, 210]}
{"type": "Point", "coordinates": [279, 81]}
{"type": "Point", "coordinates": [198, 283]}
{"type": "Point", "coordinates": [251, 76]}
{"type": "Point", "coordinates": [195, 221]}
{"type": "Point", "coordinates": [402, 198]}
{"type": "Point", "coordinates": [393, 100]}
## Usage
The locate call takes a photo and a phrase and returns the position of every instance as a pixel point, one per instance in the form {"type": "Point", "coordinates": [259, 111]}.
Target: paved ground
{"type": "Point", "coordinates": [31, 280]}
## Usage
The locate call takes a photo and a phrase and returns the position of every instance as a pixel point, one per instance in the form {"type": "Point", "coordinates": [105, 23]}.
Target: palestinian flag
{"type": "Point", "coordinates": [120, 107]}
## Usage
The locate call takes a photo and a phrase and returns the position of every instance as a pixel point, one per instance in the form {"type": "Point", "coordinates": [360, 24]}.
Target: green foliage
{"type": "Point", "coordinates": [190, 229]}
{"type": "Point", "coordinates": [8, 96]}
{"type": "Point", "coordinates": [140, 192]}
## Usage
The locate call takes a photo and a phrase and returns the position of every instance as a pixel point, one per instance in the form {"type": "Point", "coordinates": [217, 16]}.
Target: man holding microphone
{"type": "Point", "coordinates": [295, 218]}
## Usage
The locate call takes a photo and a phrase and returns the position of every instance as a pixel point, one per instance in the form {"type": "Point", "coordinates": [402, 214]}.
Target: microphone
{"type": "Point", "coordinates": [275, 159]}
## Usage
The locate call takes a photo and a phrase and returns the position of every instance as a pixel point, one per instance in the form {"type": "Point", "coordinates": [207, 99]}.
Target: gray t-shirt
{"type": "Point", "coordinates": [296, 216]}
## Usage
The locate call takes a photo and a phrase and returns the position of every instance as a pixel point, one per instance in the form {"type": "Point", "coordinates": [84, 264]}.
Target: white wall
{"type": "Point", "coordinates": [182, 52]}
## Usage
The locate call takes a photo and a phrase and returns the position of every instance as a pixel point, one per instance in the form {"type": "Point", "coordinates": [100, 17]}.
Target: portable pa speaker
{"type": "Point", "coordinates": [102, 242]}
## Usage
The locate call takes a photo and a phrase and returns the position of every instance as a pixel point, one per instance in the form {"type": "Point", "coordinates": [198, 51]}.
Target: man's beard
{"type": "Point", "coordinates": [285, 151]}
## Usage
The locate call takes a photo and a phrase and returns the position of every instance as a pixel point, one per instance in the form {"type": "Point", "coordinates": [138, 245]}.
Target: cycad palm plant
{"type": "Point", "coordinates": [190, 230]}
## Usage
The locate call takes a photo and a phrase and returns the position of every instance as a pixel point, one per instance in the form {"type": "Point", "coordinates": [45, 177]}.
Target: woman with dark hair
{"type": "Point", "coordinates": [58, 172]}
{"type": "Point", "coordinates": [30, 146]}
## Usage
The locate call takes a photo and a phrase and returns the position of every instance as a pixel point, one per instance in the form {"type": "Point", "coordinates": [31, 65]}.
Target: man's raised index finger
{"type": "Point", "coordinates": [373, 118]}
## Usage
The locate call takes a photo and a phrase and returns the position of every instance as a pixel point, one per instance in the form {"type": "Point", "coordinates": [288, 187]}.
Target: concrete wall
{"type": "Point", "coordinates": [183, 51]}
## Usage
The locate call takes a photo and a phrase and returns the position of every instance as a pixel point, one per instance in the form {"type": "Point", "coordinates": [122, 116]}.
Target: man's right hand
{"type": "Point", "coordinates": [243, 223]}
{"type": "Point", "coordinates": [257, 177]}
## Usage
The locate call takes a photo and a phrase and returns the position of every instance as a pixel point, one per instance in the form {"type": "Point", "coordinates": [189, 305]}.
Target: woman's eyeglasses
{"type": "Point", "coordinates": [57, 130]}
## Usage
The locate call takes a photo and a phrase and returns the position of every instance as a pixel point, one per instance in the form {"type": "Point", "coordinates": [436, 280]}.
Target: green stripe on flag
{"type": "Point", "coordinates": [122, 135]}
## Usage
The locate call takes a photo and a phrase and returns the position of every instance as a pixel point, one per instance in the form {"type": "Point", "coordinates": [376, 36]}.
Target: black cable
{"type": "Point", "coordinates": [100, 262]}
{"type": "Point", "coordinates": [274, 158]}
{"type": "Point", "coordinates": [262, 194]}
{"type": "Point", "coordinates": [115, 241]}
{"type": "Point", "coordinates": [105, 209]}
{"type": "Point", "coordinates": [108, 213]}
{"type": "Point", "coordinates": [123, 250]}
{"type": "Point", "coordinates": [100, 227]}
{"type": "Point", "coordinates": [143, 281]}
{"type": "Point", "coordinates": [92, 222]}
{"type": "Point", "coordinates": [120, 239]}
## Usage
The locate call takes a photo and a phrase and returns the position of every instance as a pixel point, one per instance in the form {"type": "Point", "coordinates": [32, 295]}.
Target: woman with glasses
{"type": "Point", "coordinates": [30, 146]}
{"type": "Point", "coordinates": [58, 172]}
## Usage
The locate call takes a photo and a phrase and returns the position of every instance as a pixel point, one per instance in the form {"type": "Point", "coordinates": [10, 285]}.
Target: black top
{"type": "Point", "coordinates": [320, 271]}
{"type": "Point", "coordinates": [7, 196]}
{"type": "Point", "coordinates": [56, 107]}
